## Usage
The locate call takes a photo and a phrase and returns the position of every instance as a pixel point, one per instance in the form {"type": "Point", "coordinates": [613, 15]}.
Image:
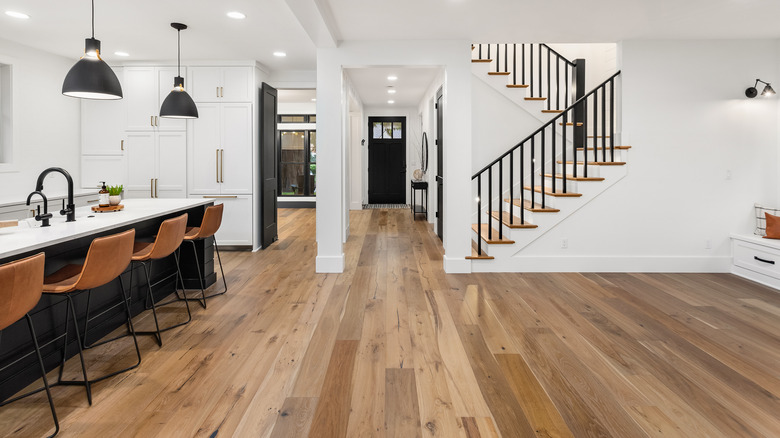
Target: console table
{"type": "Point", "coordinates": [423, 187]}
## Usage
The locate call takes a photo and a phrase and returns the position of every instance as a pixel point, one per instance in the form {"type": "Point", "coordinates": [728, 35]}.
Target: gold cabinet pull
{"type": "Point", "coordinates": [122, 145]}
{"type": "Point", "coordinates": [151, 187]}
{"type": "Point", "coordinates": [151, 120]}
{"type": "Point", "coordinates": [216, 171]}
{"type": "Point", "coordinates": [217, 91]}
{"type": "Point", "coordinates": [156, 184]}
{"type": "Point", "coordinates": [92, 201]}
{"type": "Point", "coordinates": [221, 165]}
{"type": "Point", "coordinates": [221, 197]}
{"type": "Point", "coordinates": [221, 91]}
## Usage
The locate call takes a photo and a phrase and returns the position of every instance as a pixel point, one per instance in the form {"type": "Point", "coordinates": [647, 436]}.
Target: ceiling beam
{"type": "Point", "coordinates": [317, 20]}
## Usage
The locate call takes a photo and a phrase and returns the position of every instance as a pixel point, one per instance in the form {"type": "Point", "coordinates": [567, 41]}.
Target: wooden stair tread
{"type": "Point", "coordinates": [536, 98]}
{"type": "Point", "coordinates": [500, 73]}
{"type": "Point", "coordinates": [598, 136]}
{"type": "Point", "coordinates": [547, 191]}
{"type": "Point", "coordinates": [516, 220]}
{"type": "Point", "coordinates": [620, 148]}
{"type": "Point", "coordinates": [476, 256]}
{"type": "Point", "coordinates": [552, 111]}
{"type": "Point", "coordinates": [481, 60]}
{"type": "Point", "coordinates": [573, 178]}
{"type": "Point", "coordinates": [597, 163]}
{"type": "Point", "coordinates": [494, 240]}
{"type": "Point", "coordinates": [570, 124]}
{"type": "Point", "coordinates": [536, 208]}
{"type": "Point", "coordinates": [517, 86]}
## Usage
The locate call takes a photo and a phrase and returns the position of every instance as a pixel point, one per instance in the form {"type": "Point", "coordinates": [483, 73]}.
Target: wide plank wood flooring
{"type": "Point", "coordinates": [393, 347]}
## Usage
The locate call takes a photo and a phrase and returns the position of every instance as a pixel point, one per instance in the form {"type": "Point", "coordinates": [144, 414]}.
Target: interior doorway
{"type": "Point", "coordinates": [387, 160]}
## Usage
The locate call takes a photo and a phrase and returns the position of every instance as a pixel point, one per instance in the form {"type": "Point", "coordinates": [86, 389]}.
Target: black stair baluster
{"type": "Point", "coordinates": [480, 51]}
{"type": "Point", "coordinates": [506, 57]}
{"type": "Point", "coordinates": [533, 171]}
{"type": "Point", "coordinates": [540, 71]}
{"type": "Point", "coordinates": [500, 199]}
{"type": "Point", "coordinates": [604, 124]}
{"type": "Point", "coordinates": [549, 94]}
{"type": "Point", "coordinates": [488, 51]}
{"type": "Point", "coordinates": [511, 187]}
{"type": "Point", "coordinates": [612, 118]}
{"type": "Point", "coordinates": [522, 182]}
{"type": "Point", "coordinates": [479, 214]}
{"type": "Point", "coordinates": [557, 83]}
{"type": "Point", "coordinates": [553, 156]}
{"type": "Point", "coordinates": [595, 127]}
{"type": "Point", "coordinates": [490, 203]}
{"type": "Point", "coordinates": [541, 174]}
{"type": "Point", "coordinates": [522, 60]}
{"type": "Point", "coordinates": [514, 64]}
{"type": "Point", "coordinates": [498, 58]}
{"type": "Point", "coordinates": [531, 68]}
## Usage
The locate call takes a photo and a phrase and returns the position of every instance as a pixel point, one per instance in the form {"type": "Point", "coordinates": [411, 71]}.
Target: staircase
{"type": "Point", "coordinates": [557, 169]}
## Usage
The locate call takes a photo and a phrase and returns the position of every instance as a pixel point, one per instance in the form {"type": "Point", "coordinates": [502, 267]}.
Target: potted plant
{"type": "Point", "coordinates": [114, 194]}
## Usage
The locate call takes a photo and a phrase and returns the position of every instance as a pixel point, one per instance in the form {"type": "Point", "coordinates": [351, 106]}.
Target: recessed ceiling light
{"type": "Point", "coordinates": [121, 54]}
{"type": "Point", "coordinates": [280, 54]}
{"type": "Point", "coordinates": [313, 99]}
{"type": "Point", "coordinates": [391, 102]}
{"type": "Point", "coordinates": [15, 14]}
{"type": "Point", "coordinates": [236, 15]}
{"type": "Point", "coordinates": [391, 90]}
{"type": "Point", "coordinates": [392, 78]}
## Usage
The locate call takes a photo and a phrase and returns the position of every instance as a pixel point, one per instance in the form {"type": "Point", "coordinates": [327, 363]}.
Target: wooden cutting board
{"type": "Point", "coordinates": [7, 224]}
{"type": "Point", "coordinates": [111, 208]}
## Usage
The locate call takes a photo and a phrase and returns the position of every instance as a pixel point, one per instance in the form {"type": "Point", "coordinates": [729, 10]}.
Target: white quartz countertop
{"type": "Point", "coordinates": [30, 236]}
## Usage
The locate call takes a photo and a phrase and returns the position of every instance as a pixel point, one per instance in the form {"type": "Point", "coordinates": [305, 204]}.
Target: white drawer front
{"type": "Point", "coordinates": [757, 258]}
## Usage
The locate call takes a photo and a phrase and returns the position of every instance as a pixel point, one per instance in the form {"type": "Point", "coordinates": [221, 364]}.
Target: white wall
{"type": "Point", "coordinates": [46, 129]}
{"type": "Point", "coordinates": [702, 155]}
{"type": "Point", "coordinates": [454, 56]}
{"type": "Point", "coordinates": [600, 60]}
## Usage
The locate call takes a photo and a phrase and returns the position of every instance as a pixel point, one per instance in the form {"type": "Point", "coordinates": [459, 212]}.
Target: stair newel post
{"type": "Point", "coordinates": [554, 178]}
{"type": "Point", "coordinates": [604, 123]}
{"type": "Point", "coordinates": [490, 203]}
{"type": "Point", "coordinates": [580, 112]}
{"type": "Point", "coordinates": [511, 187]}
{"type": "Point", "coordinates": [541, 174]}
{"type": "Point", "coordinates": [612, 119]}
{"type": "Point", "coordinates": [500, 197]}
{"type": "Point", "coordinates": [479, 214]}
{"type": "Point", "coordinates": [522, 182]}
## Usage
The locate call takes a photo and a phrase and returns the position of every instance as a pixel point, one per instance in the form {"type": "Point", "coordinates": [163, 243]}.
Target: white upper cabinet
{"type": "Point", "coordinates": [222, 84]}
{"type": "Point", "coordinates": [144, 89]}
{"type": "Point", "coordinates": [103, 124]}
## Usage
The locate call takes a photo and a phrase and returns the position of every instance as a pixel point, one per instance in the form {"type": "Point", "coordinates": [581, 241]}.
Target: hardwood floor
{"type": "Point", "coordinates": [394, 347]}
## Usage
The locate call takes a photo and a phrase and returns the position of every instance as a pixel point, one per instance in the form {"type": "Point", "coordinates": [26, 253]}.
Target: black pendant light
{"type": "Point", "coordinates": [178, 104]}
{"type": "Point", "coordinates": [91, 77]}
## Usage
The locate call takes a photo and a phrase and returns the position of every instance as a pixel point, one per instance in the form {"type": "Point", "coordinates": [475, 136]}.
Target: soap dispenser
{"type": "Point", "coordinates": [103, 196]}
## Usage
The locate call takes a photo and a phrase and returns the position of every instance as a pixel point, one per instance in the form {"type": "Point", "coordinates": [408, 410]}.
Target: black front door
{"type": "Point", "coordinates": [387, 160]}
{"type": "Point", "coordinates": [439, 166]}
{"type": "Point", "coordinates": [268, 165]}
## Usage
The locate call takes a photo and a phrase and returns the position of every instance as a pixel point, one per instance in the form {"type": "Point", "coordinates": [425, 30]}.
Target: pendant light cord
{"type": "Point", "coordinates": [93, 19]}
{"type": "Point", "coordinates": [178, 59]}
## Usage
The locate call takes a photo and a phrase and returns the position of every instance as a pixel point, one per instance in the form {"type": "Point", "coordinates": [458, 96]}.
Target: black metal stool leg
{"type": "Point", "coordinates": [224, 280]}
{"type": "Point", "coordinates": [150, 297]}
{"type": "Point", "coordinates": [87, 384]}
{"type": "Point", "coordinates": [43, 374]}
{"type": "Point", "coordinates": [200, 276]}
{"type": "Point", "coordinates": [183, 292]}
{"type": "Point", "coordinates": [129, 321]}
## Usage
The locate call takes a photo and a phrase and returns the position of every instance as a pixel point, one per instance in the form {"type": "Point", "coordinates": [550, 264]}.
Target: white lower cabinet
{"type": "Point", "coordinates": [156, 164]}
{"type": "Point", "coordinates": [236, 228]}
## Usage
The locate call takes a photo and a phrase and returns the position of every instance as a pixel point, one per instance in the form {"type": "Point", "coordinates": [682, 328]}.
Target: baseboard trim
{"type": "Point", "coordinates": [330, 264]}
{"type": "Point", "coordinates": [719, 264]}
{"type": "Point", "coordinates": [456, 265]}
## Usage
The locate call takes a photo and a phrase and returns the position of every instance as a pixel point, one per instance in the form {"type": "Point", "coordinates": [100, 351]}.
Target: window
{"type": "Point", "coordinates": [298, 163]}
{"type": "Point", "coordinates": [387, 130]}
{"type": "Point", "coordinates": [297, 118]}
{"type": "Point", "coordinates": [5, 114]}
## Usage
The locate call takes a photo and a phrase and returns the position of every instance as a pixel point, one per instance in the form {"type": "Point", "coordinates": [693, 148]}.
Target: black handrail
{"type": "Point", "coordinates": [548, 123]}
{"type": "Point", "coordinates": [575, 115]}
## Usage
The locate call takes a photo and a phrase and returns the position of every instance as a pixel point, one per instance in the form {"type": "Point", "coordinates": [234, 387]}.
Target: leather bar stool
{"type": "Point", "coordinates": [167, 241]}
{"type": "Point", "coordinates": [21, 284]}
{"type": "Point", "coordinates": [106, 259]}
{"type": "Point", "coordinates": [212, 219]}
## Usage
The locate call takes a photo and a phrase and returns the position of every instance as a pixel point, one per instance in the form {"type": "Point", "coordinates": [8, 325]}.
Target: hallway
{"type": "Point", "coordinates": [394, 347]}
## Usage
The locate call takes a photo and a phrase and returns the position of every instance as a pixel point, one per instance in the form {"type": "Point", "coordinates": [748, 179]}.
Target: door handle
{"type": "Point", "coordinates": [438, 178]}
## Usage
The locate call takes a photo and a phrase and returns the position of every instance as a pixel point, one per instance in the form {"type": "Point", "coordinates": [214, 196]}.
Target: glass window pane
{"type": "Point", "coordinates": [292, 119]}
{"type": "Point", "coordinates": [312, 118]}
{"type": "Point", "coordinates": [388, 131]}
{"type": "Point", "coordinates": [313, 146]}
{"type": "Point", "coordinates": [292, 179]}
{"type": "Point", "coordinates": [377, 130]}
{"type": "Point", "coordinates": [397, 133]}
{"type": "Point", "coordinates": [292, 147]}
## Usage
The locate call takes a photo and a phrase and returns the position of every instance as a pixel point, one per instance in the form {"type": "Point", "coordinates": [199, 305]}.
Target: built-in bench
{"type": "Point", "coordinates": [756, 258]}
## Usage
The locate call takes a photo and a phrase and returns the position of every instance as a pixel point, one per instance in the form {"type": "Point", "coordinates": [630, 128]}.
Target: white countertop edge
{"type": "Point", "coordinates": [23, 239]}
{"type": "Point", "coordinates": [752, 238]}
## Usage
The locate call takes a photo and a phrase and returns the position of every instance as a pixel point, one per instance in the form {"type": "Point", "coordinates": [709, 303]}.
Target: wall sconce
{"type": "Point", "coordinates": [753, 92]}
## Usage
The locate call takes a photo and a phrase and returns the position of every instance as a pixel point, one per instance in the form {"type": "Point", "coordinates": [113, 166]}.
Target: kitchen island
{"type": "Point", "coordinates": [68, 242]}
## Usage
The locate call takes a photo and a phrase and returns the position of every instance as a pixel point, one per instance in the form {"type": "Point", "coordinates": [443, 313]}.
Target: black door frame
{"type": "Point", "coordinates": [372, 141]}
{"type": "Point", "coordinates": [268, 165]}
{"type": "Point", "coordinates": [439, 164]}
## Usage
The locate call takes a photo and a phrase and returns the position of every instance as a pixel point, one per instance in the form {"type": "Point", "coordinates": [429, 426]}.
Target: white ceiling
{"type": "Point", "coordinates": [142, 27]}
{"type": "Point", "coordinates": [372, 84]}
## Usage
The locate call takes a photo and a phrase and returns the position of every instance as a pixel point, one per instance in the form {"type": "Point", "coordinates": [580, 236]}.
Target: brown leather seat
{"type": "Point", "coordinates": [167, 241]}
{"type": "Point", "coordinates": [107, 258]}
{"type": "Point", "coordinates": [21, 285]}
{"type": "Point", "coordinates": [212, 220]}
